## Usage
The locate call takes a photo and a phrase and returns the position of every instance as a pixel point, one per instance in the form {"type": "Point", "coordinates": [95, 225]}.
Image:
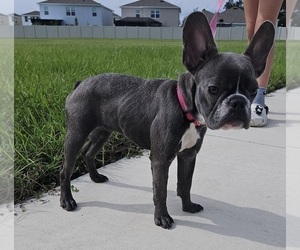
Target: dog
{"type": "Point", "coordinates": [168, 117]}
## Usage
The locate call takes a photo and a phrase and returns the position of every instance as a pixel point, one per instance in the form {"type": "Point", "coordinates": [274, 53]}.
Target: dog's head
{"type": "Point", "coordinates": [221, 86]}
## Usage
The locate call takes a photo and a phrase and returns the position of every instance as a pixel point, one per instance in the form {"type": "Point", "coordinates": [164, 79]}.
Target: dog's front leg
{"type": "Point", "coordinates": [186, 164]}
{"type": "Point", "coordinates": [160, 174]}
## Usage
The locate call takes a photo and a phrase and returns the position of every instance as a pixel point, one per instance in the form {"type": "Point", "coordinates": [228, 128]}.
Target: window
{"type": "Point", "coordinates": [94, 12]}
{"type": "Point", "coordinates": [155, 14]}
{"type": "Point", "coordinates": [46, 11]}
{"type": "Point", "coordinates": [137, 13]}
{"type": "Point", "coordinates": [26, 19]}
{"type": "Point", "coordinates": [70, 11]}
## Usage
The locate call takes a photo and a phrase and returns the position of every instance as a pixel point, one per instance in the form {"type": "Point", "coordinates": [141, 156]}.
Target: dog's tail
{"type": "Point", "coordinates": [77, 84]}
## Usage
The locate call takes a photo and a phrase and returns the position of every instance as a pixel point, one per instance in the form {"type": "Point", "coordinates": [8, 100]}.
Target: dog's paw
{"type": "Point", "coordinates": [99, 178]}
{"type": "Point", "coordinates": [68, 204]}
{"type": "Point", "coordinates": [164, 221]}
{"type": "Point", "coordinates": [192, 208]}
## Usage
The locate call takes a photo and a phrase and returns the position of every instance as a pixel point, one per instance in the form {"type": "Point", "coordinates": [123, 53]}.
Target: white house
{"type": "Point", "coordinates": [76, 12]}
{"type": "Point", "coordinates": [26, 18]}
{"type": "Point", "coordinates": [14, 19]}
{"type": "Point", "coordinates": [3, 19]}
{"type": "Point", "coordinates": [161, 11]}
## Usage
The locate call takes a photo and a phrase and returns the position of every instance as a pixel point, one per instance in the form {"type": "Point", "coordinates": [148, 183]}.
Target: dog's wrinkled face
{"type": "Point", "coordinates": [224, 84]}
{"type": "Point", "coordinates": [226, 97]}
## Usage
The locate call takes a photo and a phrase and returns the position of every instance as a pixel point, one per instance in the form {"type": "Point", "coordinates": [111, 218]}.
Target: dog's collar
{"type": "Point", "coordinates": [188, 115]}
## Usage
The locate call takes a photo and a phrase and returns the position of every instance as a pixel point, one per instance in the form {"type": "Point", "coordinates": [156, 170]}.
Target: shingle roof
{"type": "Point", "coordinates": [208, 14]}
{"type": "Point", "coordinates": [13, 14]}
{"type": "Point", "coordinates": [32, 13]}
{"type": "Point", "coordinates": [151, 3]}
{"type": "Point", "coordinates": [232, 15]}
{"type": "Point", "coordinates": [87, 2]}
{"type": "Point", "coordinates": [139, 19]}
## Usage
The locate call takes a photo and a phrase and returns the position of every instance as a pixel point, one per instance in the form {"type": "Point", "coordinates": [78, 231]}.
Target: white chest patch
{"type": "Point", "coordinates": [190, 137]}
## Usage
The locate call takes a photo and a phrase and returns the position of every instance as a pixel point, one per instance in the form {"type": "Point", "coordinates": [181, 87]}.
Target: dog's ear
{"type": "Point", "coordinates": [260, 46]}
{"type": "Point", "coordinates": [198, 42]}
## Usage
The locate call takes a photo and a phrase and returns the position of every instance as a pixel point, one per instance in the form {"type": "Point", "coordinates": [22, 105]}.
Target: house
{"type": "Point", "coordinates": [231, 17]}
{"type": "Point", "coordinates": [26, 18]}
{"type": "Point", "coordinates": [116, 16]}
{"type": "Point", "coordinates": [14, 19]}
{"type": "Point", "coordinates": [3, 19]}
{"type": "Point", "coordinates": [75, 12]}
{"type": "Point", "coordinates": [153, 12]}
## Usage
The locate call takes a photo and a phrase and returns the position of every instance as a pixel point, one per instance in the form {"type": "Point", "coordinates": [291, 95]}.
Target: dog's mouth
{"type": "Point", "coordinates": [235, 124]}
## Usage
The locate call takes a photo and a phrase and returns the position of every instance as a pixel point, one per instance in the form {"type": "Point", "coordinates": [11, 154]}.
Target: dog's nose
{"type": "Point", "coordinates": [237, 102]}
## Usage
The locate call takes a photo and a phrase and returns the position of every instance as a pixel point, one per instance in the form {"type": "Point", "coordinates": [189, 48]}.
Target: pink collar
{"type": "Point", "coordinates": [188, 115]}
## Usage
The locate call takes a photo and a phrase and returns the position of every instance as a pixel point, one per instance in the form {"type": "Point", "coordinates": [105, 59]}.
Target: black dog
{"type": "Point", "coordinates": [166, 116]}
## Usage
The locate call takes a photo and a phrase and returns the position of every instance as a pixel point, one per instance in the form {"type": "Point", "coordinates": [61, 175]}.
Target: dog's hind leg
{"type": "Point", "coordinates": [96, 140]}
{"type": "Point", "coordinates": [73, 144]}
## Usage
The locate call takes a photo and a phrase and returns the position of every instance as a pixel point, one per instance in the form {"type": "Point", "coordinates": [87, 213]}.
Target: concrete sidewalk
{"type": "Point", "coordinates": [239, 180]}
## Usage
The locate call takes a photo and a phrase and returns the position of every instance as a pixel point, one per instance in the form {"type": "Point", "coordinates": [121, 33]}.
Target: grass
{"type": "Point", "coordinates": [6, 121]}
{"type": "Point", "coordinates": [293, 59]}
{"type": "Point", "coordinates": [45, 72]}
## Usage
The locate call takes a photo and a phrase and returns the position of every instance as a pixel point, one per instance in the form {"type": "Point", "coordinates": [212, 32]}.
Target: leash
{"type": "Point", "coordinates": [188, 115]}
{"type": "Point", "coordinates": [214, 20]}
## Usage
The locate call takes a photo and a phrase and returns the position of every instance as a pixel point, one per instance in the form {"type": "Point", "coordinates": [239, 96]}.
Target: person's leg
{"type": "Point", "coordinates": [251, 10]}
{"type": "Point", "coordinates": [290, 6]}
{"type": "Point", "coordinates": [261, 10]}
{"type": "Point", "coordinates": [267, 10]}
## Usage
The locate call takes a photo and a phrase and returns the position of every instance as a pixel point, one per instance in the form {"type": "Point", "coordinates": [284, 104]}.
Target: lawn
{"type": "Point", "coordinates": [6, 121]}
{"type": "Point", "coordinates": [45, 73]}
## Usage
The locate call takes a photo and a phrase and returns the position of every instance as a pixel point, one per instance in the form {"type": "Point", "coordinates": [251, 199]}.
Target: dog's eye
{"type": "Point", "coordinates": [213, 90]}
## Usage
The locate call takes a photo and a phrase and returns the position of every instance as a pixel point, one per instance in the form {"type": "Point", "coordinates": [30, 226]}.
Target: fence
{"type": "Point", "coordinates": [36, 31]}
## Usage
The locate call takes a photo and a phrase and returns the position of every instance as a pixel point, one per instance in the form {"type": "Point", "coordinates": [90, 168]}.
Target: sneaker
{"type": "Point", "coordinates": [258, 115]}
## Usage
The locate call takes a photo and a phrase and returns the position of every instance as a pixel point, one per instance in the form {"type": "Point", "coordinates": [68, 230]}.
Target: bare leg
{"type": "Point", "coordinates": [256, 12]}
{"type": "Point", "coordinates": [290, 6]}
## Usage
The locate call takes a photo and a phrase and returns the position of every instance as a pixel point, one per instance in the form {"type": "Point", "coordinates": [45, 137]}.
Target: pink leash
{"type": "Point", "coordinates": [214, 20]}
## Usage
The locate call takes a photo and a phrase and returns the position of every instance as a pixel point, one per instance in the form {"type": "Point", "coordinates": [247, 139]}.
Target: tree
{"type": "Point", "coordinates": [282, 15]}
{"type": "Point", "coordinates": [231, 3]}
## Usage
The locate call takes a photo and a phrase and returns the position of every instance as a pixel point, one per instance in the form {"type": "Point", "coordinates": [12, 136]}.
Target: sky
{"type": "Point", "coordinates": [187, 6]}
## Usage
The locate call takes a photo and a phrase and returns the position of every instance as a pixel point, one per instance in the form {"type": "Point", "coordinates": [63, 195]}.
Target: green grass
{"type": "Point", "coordinates": [6, 121]}
{"type": "Point", "coordinates": [293, 60]}
{"type": "Point", "coordinates": [45, 73]}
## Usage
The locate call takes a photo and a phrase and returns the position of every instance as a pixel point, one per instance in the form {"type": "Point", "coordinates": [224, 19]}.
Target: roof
{"type": "Point", "coordinates": [137, 21]}
{"type": "Point", "coordinates": [32, 13]}
{"type": "Point", "coordinates": [232, 15]}
{"type": "Point", "coordinates": [116, 16]}
{"type": "Point", "coordinates": [208, 14]}
{"type": "Point", "coordinates": [151, 3]}
{"type": "Point", "coordinates": [13, 14]}
{"type": "Point", "coordinates": [85, 2]}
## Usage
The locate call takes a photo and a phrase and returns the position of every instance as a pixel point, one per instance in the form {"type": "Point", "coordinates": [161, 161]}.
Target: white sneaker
{"type": "Point", "coordinates": [258, 115]}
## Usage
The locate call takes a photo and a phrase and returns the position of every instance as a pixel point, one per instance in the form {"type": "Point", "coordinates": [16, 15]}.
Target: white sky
{"type": "Point", "coordinates": [187, 6]}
